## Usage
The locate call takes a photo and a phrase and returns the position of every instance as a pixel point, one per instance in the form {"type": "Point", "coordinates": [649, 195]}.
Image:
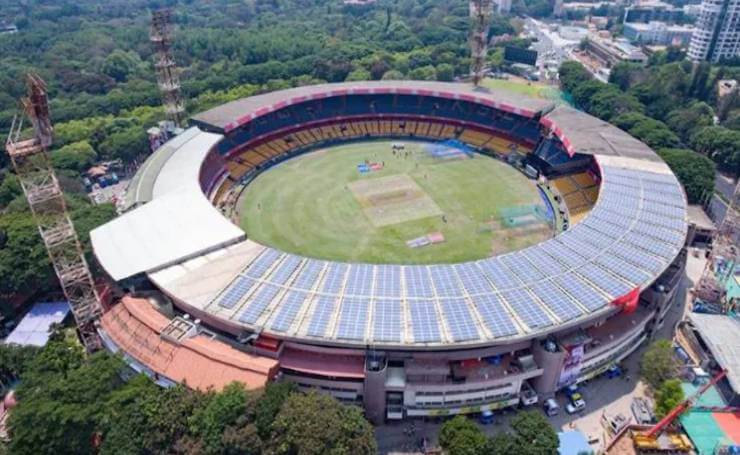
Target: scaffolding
{"type": "Point", "coordinates": [480, 16]}
{"type": "Point", "coordinates": [168, 78]}
{"type": "Point", "coordinates": [46, 200]}
{"type": "Point", "coordinates": [722, 259]}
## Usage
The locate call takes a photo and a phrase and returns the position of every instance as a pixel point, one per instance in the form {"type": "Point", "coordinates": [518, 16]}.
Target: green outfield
{"type": "Point", "coordinates": [320, 205]}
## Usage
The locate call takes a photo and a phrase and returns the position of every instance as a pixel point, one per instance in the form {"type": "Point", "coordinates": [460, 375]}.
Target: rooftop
{"type": "Point", "coordinates": [200, 361]}
{"type": "Point", "coordinates": [721, 334]}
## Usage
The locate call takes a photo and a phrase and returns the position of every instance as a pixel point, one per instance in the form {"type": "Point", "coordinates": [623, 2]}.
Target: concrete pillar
{"type": "Point", "coordinates": [376, 371]}
{"type": "Point", "coordinates": [552, 364]}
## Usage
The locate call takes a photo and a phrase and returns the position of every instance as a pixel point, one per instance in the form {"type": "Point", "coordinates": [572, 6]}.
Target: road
{"type": "Point", "coordinates": [601, 394]}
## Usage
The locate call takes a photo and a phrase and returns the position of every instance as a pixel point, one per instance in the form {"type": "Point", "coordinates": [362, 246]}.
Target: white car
{"type": "Point", "coordinates": [575, 406]}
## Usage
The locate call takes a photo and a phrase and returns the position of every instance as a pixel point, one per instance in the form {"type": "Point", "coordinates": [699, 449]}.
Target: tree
{"type": "Point", "coordinates": [500, 444]}
{"type": "Point", "coordinates": [624, 74]}
{"type": "Point", "coordinates": [533, 434]}
{"type": "Point", "coordinates": [318, 424]}
{"type": "Point", "coordinates": [59, 400]}
{"type": "Point", "coordinates": [460, 436]}
{"type": "Point", "coordinates": [220, 411]}
{"type": "Point", "coordinates": [423, 73]}
{"type": "Point", "coordinates": [652, 132]}
{"type": "Point", "coordinates": [10, 188]}
{"type": "Point", "coordinates": [610, 102]}
{"type": "Point", "coordinates": [720, 144]}
{"type": "Point", "coordinates": [359, 75]}
{"type": "Point", "coordinates": [658, 363]}
{"type": "Point", "coordinates": [126, 144]}
{"type": "Point", "coordinates": [445, 72]}
{"type": "Point", "coordinates": [694, 171]}
{"type": "Point", "coordinates": [685, 121]}
{"type": "Point", "coordinates": [24, 263]}
{"type": "Point", "coordinates": [572, 74]}
{"type": "Point", "coordinates": [120, 64]}
{"type": "Point", "coordinates": [393, 75]}
{"type": "Point", "coordinates": [668, 396]}
{"type": "Point", "coordinates": [77, 156]}
{"type": "Point", "coordinates": [269, 405]}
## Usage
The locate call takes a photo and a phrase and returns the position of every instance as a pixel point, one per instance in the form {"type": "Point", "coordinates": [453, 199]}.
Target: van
{"type": "Point", "coordinates": [551, 407]}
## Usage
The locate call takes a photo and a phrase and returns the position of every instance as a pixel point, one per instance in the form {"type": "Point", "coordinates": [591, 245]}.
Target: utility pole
{"type": "Point", "coordinates": [167, 73]}
{"type": "Point", "coordinates": [480, 17]}
{"type": "Point", "coordinates": [45, 198]}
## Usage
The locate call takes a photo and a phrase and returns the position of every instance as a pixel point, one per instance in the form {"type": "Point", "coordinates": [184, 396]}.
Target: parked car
{"type": "Point", "coordinates": [486, 417]}
{"type": "Point", "coordinates": [551, 407]}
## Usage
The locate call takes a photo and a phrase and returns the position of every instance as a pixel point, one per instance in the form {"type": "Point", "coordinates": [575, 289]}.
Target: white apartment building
{"type": "Point", "coordinates": [717, 33]}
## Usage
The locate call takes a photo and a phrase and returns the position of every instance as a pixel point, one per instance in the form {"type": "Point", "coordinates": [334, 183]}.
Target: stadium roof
{"type": "Point", "coordinates": [170, 170]}
{"type": "Point", "coordinates": [231, 115]}
{"type": "Point", "coordinates": [167, 230]}
{"type": "Point", "coordinates": [721, 333]}
{"type": "Point", "coordinates": [634, 231]}
{"type": "Point", "coordinates": [33, 330]}
{"type": "Point", "coordinates": [200, 361]}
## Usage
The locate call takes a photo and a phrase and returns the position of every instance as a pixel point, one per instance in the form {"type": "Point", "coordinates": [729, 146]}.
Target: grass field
{"type": "Point", "coordinates": [319, 205]}
{"type": "Point", "coordinates": [519, 85]}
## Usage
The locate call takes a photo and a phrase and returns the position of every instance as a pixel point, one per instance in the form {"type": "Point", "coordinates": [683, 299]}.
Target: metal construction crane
{"type": "Point", "coordinates": [46, 200]}
{"type": "Point", "coordinates": [167, 74]}
{"type": "Point", "coordinates": [723, 257]}
{"type": "Point", "coordinates": [481, 12]}
{"type": "Point", "coordinates": [682, 407]}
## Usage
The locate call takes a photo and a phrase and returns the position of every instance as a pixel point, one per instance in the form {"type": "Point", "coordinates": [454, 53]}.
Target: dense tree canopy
{"type": "Point", "coordinates": [315, 424]}
{"type": "Point", "coordinates": [694, 171]}
{"type": "Point", "coordinates": [73, 403]}
{"type": "Point", "coordinates": [670, 103]}
{"type": "Point", "coordinates": [668, 396]}
{"type": "Point", "coordinates": [658, 364]}
{"type": "Point", "coordinates": [461, 436]}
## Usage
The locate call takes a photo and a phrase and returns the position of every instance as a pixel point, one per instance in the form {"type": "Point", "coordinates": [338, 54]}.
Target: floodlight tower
{"type": "Point", "coordinates": [167, 73]}
{"type": "Point", "coordinates": [480, 16]}
{"type": "Point", "coordinates": [46, 200]}
{"type": "Point", "coordinates": [723, 257]}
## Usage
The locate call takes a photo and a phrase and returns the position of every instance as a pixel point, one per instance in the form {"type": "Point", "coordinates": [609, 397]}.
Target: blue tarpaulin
{"type": "Point", "coordinates": [573, 443]}
{"type": "Point", "coordinates": [33, 330]}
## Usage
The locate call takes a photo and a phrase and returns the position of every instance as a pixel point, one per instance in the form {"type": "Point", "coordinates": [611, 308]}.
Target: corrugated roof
{"type": "Point", "coordinates": [134, 325]}
{"type": "Point", "coordinates": [721, 334]}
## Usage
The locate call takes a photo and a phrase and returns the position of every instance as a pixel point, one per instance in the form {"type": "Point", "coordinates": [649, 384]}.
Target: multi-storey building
{"type": "Point", "coordinates": [717, 33]}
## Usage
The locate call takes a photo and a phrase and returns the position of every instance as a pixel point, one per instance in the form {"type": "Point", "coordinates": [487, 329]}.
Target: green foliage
{"type": "Point", "coordinates": [720, 144]}
{"type": "Point", "coordinates": [653, 132]}
{"type": "Point", "coordinates": [572, 74]}
{"type": "Point", "coordinates": [315, 424]}
{"type": "Point", "coordinates": [359, 75]}
{"type": "Point", "coordinates": [269, 405]}
{"type": "Point", "coordinates": [445, 72]}
{"type": "Point", "coordinates": [77, 156]}
{"type": "Point", "coordinates": [10, 188]}
{"type": "Point", "coordinates": [533, 434]}
{"type": "Point", "coordinates": [14, 360]}
{"type": "Point", "coordinates": [220, 411]}
{"type": "Point", "coordinates": [686, 121]}
{"type": "Point", "coordinates": [461, 436]}
{"type": "Point", "coordinates": [668, 396]}
{"type": "Point", "coordinates": [60, 396]}
{"type": "Point", "coordinates": [658, 364]}
{"type": "Point", "coordinates": [68, 399]}
{"type": "Point", "coordinates": [24, 263]}
{"type": "Point", "coordinates": [500, 444]}
{"type": "Point", "coordinates": [694, 171]}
